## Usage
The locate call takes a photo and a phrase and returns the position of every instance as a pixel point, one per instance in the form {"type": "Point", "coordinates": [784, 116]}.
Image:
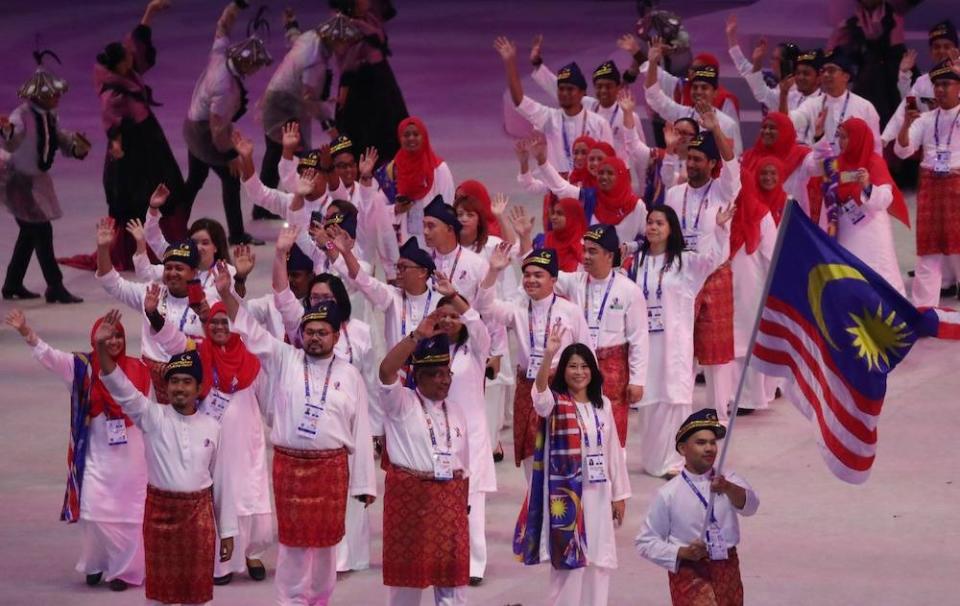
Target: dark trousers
{"type": "Point", "coordinates": [33, 237]}
{"type": "Point", "coordinates": [269, 174]}
{"type": "Point", "coordinates": [197, 172]}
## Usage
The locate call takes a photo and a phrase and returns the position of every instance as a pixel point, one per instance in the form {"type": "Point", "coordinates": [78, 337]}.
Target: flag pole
{"type": "Point", "coordinates": [778, 247]}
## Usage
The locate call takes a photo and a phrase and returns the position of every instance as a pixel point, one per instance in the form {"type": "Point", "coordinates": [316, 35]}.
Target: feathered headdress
{"type": "Point", "coordinates": [43, 84]}
{"type": "Point", "coordinates": [251, 54]}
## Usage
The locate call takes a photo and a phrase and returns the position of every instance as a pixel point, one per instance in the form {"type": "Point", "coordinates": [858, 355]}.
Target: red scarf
{"type": "Point", "coordinates": [745, 225]}
{"type": "Point", "coordinates": [859, 154]}
{"type": "Point", "coordinates": [232, 361]}
{"type": "Point", "coordinates": [568, 241]}
{"type": "Point", "coordinates": [614, 205]}
{"type": "Point", "coordinates": [100, 399]}
{"type": "Point", "coordinates": [722, 94]}
{"type": "Point", "coordinates": [785, 148]}
{"type": "Point", "coordinates": [413, 170]}
{"type": "Point", "coordinates": [776, 198]}
{"type": "Point", "coordinates": [581, 177]}
{"type": "Point", "coordinates": [476, 190]}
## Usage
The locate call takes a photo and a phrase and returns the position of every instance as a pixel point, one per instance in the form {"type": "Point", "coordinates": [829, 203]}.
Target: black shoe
{"type": "Point", "coordinates": [118, 585]}
{"type": "Point", "coordinates": [19, 293]}
{"type": "Point", "coordinates": [94, 579]}
{"type": "Point", "coordinates": [60, 295]}
{"type": "Point", "coordinates": [246, 239]}
{"type": "Point", "coordinates": [950, 291]}
{"type": "Point", "coordinates": [498, 453]}
{"type": "Point", "coordinates": [260, 213]}
{"type": "Point", "coordinates": [745, 412]}
{"type": "Point", "coordinates": [778, 394]}
{"type": "Point", "coordinates": [224, 580]}
{"type": "Point", "coordinates": [256, 570]}
{"type": "Point", "coordinates": [475, 581]}
{"type": "Point", "coordinates": [700, 379]}
{"type": "Point", "coordinates": [912, 273]}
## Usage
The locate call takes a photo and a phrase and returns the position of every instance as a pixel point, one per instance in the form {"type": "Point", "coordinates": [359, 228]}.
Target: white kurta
{"type": "Point", "coordinates": [676, 516]}
{"type": "Point", "coordinates": [922, 89]}
{"type": "Point", "coordinates": [465, 268]}
{"type": "Point", "coordinates": [622, 319]}
{"type": "Point", "coordinates": [403, 312]}
{"type": "Point", "coordinates": [114, 490]}
{"type": "Point", "coordinates": [670, 110]}
{"type": "Point", "coordinates": [697, 207]}
{"type": "Point", "coordinates": [561, 130]}
{"type": "Point", "coordinates": [671, 85]}
{"type": "Point", "coordinates": [375, 235]}
{"type": "Point", "coordinates": [597, 496]}
{"type": "Point", "coordinates": [181, 450]}
{"type": "Point", "coordinates": [839, 109]}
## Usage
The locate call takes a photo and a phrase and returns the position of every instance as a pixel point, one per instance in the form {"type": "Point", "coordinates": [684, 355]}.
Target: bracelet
{"type": "Point", "coordinates": [536, 62]}
{"type": "Point", "coordinates": [238, 279]}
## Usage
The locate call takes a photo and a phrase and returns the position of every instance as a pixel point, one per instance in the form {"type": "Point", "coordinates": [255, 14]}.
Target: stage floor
{"type": "Point", "coordinates": [814, 540]}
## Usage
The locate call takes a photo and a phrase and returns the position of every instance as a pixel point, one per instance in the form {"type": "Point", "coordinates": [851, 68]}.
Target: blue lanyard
{"type": "Point", "coordinates": [216, 383]}
{"type": "Point", "coordinates": [546, 327]}
{"type": "Point", "coordinates": [566, 140]}
{"type": "Point", "coordinates": [326, 381]}
{"type": "Point", "coordinates": [703, 201]}
{"type": "Point", "coordinates": [646, 291]}
{"type": "Point", "coordinates": [936, 130]}
{"type": "Point", "coordinates": [583, 426]}
{"type": "Point", "coordinates": [713, 518]}
{"type": "Point", "coordinates": [403, 315]}
{"type": "Point", "coordinates": [603, 302]}
{"type": "Point", "coordinates": [429, 420]}
{"type": "Point", "coordinates": [456, 261]}
{"type": "Point", "coordinates": [843, 113]}
{"type": "Point", "coordinates": [613, 116]}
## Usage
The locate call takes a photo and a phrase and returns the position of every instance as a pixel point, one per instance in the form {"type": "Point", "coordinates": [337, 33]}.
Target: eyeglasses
{"type": "Point", "coordinates": [401, 267]}
{"type": "Point", "coordinates": [342, 164]}
{"type": "Point", "coordinates": [314, 299]}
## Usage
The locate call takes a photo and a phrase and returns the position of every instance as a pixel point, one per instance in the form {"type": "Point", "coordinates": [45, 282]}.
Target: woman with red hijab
{"type": "Point", "coordinates": [230, 392]}
{"type": "Point", "coordinates": [106, 464]}
{"type": "Point", "coordinates": [419, 175]}
{"type": "Point", "coordinates": [778, 140]}
{"type": "Point", "coordinates": [866, 198]}
{"type": "Point", "coordinates": [567, 226]}
{"type": "Point", "coordinates": [769, 175]}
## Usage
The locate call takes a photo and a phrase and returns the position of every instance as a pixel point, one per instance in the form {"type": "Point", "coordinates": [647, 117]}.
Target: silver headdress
{"type": "Point", "coordinates": [251, 54]}
{"type": "Point", "coordinates": [43, 84]}
{"type": "Point", "coordinates": [339, 28]}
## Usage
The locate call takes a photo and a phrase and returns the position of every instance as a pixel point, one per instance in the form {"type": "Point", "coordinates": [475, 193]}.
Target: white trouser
{"type": "Point", "coordinates": [305, 575]}
{"type": "Point", "coordinates": [656, 438]}
{"type": "Point", "coordinates": [442, 596]}
{"type": "Point", "coordinates": [477, 520]}
{"type": "Point", "coordinates": [720, 386]}
{"type": "Point", "coordinates": [256, 536]}
{"type": "Point", "coordinates": [928, 278]}
{"type": "Point", "coordinates": [495, 398]}
{"type": "Point", "coordinates": [587, 586]}
{"type": "Point", "coordinates": [114, 549]}
{"type": "Point", "coordinates": [754, 395]}
{"type": "Point", "coordinates": [353, 551]}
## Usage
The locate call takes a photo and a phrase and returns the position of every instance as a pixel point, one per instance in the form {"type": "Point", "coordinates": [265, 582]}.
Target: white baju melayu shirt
{"type": "Point", "coordinates": [673, 111]}
{"type": "Point", "coordinates": [935, 130]}
{"type": "Point", "coordinates": [181, 450]}
{"type": "Point", "coordinates": [749, 277]}
{"type": "Point", "coordinates": [402, 311]}
{"type": "Point", "coordinates": [330, 383]}
{"type": "Point", "coordinates": [839, 109]}
{"type": "Point", "coordinates": [561, 130]}
{"type": "Point", "coordinates": [597, 496]}
{"type": "Point", "coordinates": [676, 516]}
{"type": "Point", "coordinates": [114, 476]}
{"type": "Point", "coordinates": [697, 207]}
{"type": "Point", "coordinates": [922, 89]}
{"type": "Point", "coordinates": [615, 312]}
{"type": "Point", "coordinates": [465, 268]}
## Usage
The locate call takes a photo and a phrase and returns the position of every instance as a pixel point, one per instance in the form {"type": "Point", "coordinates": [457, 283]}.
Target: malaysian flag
{"type": "Point", "coordinates": [834, 329]}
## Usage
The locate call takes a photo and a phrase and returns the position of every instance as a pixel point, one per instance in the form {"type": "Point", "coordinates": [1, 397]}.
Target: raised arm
{"type": "Point", "coordinates": [508, 53]}
{"type": "Point", "coordinates": [54, 360]}
{"type": "Point", "coordinates": [544, 405]}
{"type": "Point", "coordinates": [134, 404]}
{"type": "Point", "coordinates": [401, 352]}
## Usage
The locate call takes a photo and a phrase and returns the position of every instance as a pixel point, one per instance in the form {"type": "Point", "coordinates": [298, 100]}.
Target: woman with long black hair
{"type": "Point", "coordinates": [671, 279]}
{"type": "Point", "coordinates": [579, 487]}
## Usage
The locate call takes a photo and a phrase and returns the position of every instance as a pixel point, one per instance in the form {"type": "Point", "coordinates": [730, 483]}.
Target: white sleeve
{"type": "Point", "coordinates": [479, 335]}
{"type": "Point", "coordinates": [154, 235]}
{"type": "Point", "coordinates": [531, 184]}
{"type": "Point", "coordinates": [729, 181]}
{"type": "Point", "coordinates": [536, 113]}
{"type": "Point", "coordinates": [635, 323]}
{"type": "Point", "coordinates": [740, 61]}
{"type": "Point", "coordinates": [557, 184]}
{"type": "Point", "coordinates": [380, 295]}
{"type": "Point", "coordinates": [145, 270]}
{"type": "Point", "coordinates": [543, 401]}
{"type": "Point", "coordinates": [273, 200]}
{"type": "Point", "coordinates": [904, 83]}
{"type": "Point", "coordinates": [363, 478]}
{"type": "Point", "coordinates": [753, 501]}
{"type": "Point", "coordinates": [146, 414]}
{"type": "Point", "coordinates": [260, 343]}
{"type": "Point", "coordinates": [288, 174]}
{"type": "Point", "coordinates": [129, 293]}
{"type": "Point", "coordinates": [170, 339]}
{"type": "Point", "coordinates": [616, 456]}
{"type": "Point", "coordinates": [58, 362]}
{"type": "Point", "coordinates": [547, 80]}
{"type": "Point", "coordinates": [443, 183]}
{"type": "Point", "coordinates": [714, 250]}
{"type": "Point", "coordinates": [668, 109]}
{"type": "Point", "coordinates": [291, 310]}
{"type": "Point", "coordinates": [653, 541]}
{"type": "Point", "coordinates": [224, 493]}
{"type": "Point", "coordinates": [881, 196]}
{"type": "Point", "coordinates": [915, 135]}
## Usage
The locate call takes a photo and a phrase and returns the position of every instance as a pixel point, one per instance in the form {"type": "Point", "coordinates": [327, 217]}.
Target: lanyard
{"type": "Point", "coordinates": [186, 310]}
{"type": "Point", "coordinates": [703, 201]}
{"type": "Point", "coordinates": [603, 302]}
{"type": "Point", "coordinates": [566, 141]}
{"type": "Point", "coordinates": [613, 116]}
{"type": "Point", "coordinates": [456, 261]}
{"type": "Point", "coordinates": [936, 130]}
{"type": "Point", "coordinates": [546, 327]}
{"type": "Point", "coordinates": [646, 291]}
{"type": "Point", "coordinates": [697, 492]}
{"type": "Point", "coordinates": [216, 383]}
{"type": "Point", "coordinates": [429, 419]}
{"type": "Point", "coordinates": [326, 381]}
{"type": "Point", "coordinates": [583, 426]}
{"type": "Point", "coordinates": [403, 316]}
{"type": "Point", "coordinates": [843, 113]}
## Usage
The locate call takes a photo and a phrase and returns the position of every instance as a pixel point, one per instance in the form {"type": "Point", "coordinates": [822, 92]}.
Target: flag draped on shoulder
{"type": "Point", "coordinates": [834, 328]}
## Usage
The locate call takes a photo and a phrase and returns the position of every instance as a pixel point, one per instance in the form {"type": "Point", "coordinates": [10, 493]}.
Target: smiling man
{"type": "Point", "coordinates": [700, 572]}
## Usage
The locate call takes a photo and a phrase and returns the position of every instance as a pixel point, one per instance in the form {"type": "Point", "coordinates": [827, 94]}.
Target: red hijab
{"type": "Point", "coordinates": [722, 94]}
{"type": "Point", "coordinates": [413, 170]}
{"type": "Point", "coordinates": [232, 361]}
{"type": "Point", "coordinates": [100, 399]}
{"type": "Point", "coordinates": [568, 241]}
{"type": "Point", "coordinates": [605, 147]}
{"type": "Point", "coordinates": [859, 154]}
{"type": "Point", "coordinates": [614, 205]}
{"type": "Point", "coordinates": [745, 225]}
{"type": "Point", "coordinates": [785, 148]}
{"type": "Point", "coordinates": [582, 176]}
{"type": "Point", "coordinates": [776, 198]}
{"type": "Point", "coordinates": [476, 190]}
